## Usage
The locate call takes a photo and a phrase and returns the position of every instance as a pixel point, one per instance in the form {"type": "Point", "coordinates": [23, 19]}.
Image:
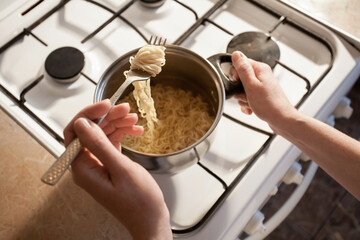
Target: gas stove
{"type": "Point", "coordinates": [220, 197]}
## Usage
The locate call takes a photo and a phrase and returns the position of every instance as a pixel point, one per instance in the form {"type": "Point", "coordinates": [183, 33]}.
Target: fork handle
{"type": "Point", "coordinates": [57, 170]}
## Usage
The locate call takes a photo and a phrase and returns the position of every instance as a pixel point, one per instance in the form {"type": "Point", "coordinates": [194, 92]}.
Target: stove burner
{"type": "Point", "coordinates": [257, 46]}
{"type": "Point", "coordinates": [152, 3]}
{"type": "Point", "coordinates": [65, 64]}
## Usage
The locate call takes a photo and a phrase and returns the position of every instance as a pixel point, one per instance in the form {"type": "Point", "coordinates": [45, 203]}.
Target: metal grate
{"type": "Point", "coordinates": [199, 21]}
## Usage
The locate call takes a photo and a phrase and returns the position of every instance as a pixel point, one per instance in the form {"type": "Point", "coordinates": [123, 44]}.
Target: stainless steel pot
{"type": "Point", "coordinates": [184, 69]}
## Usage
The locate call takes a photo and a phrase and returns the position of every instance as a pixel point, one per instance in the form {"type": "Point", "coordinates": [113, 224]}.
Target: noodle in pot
{"type": "Point", "coordinates": [172, 118]}
{"type": "Point", "coordinates": [183, 119]}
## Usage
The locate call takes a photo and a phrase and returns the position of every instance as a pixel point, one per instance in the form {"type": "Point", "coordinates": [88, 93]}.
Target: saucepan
{"type": "Point", "coordinates": [183, 69]}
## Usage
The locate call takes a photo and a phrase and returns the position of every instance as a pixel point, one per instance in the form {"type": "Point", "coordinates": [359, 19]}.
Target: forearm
{"type": "Point", "coordinates": [335, 152]}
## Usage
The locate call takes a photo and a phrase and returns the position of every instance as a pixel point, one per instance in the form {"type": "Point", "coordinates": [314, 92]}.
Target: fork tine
{"type": "Point", "coordinates": [154, 40]}
{"type": "Point", "coordinates": [154, 43]}
{"type": "Point", "coordinates": [151, 37]}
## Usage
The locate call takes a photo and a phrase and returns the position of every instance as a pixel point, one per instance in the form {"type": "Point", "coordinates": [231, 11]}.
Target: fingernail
{"type": "Point", "coordinates": [241, 54]}
{"type": "Point", "coordinates": [125, 104]}
{"type": "Point", "coordinates": [236, 55]}
{"type": "Point", "coordinates": [85, 122]}
{"type": "Point", "coordinates": [104, 100]}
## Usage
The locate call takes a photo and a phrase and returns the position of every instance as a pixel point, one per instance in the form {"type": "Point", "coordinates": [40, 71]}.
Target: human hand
{"type": "Point", "coordinates": [263, 94]}
{"type": "Point", "coordinates": [122, 186]}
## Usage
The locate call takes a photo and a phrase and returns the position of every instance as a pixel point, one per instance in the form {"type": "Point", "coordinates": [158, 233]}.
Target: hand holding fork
{"type": "Point", "coordinates": [57, 170]}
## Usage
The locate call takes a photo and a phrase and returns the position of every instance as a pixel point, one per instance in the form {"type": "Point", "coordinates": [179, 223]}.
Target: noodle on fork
{"type": "Point", "coordinates": [150, 58]}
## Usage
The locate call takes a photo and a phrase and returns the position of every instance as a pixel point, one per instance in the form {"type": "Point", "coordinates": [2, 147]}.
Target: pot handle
{"type": "Point", "coordinates": [231, 88]}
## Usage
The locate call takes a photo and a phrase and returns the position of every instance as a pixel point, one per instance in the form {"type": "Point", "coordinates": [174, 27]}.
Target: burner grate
{"type": "Point", "coordinates": [199, 21]}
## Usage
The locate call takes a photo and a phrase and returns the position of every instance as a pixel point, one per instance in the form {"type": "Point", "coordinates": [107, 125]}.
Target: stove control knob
{"type": "Point", "coordinates": [343, 109]}
{"type": "Point", "coordinates": [256, 224]}
{"type": "Point", "coordinates": [293, 175]}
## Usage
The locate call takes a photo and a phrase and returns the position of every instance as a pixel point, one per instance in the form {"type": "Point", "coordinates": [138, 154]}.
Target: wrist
{"type": "Point", "coordinates": [287, 123]}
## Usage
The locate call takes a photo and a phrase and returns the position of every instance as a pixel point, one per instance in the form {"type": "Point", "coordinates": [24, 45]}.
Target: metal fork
{"type": "Point", "coordinates": [57, 170]}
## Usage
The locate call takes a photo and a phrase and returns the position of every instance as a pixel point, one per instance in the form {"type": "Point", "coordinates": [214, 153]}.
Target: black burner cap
{"type": "Point", "coordinates": [257, 46]}
{"type": "Point", "coordinates": [65, 63]}
{"type": "Point", "coordinates": [152, 3]}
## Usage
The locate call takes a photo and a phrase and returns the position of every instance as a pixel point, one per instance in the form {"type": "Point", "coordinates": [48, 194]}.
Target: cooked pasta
{"type": "Point", "coordinates": [183, 119]}
{"type": "Point", "coordinates": [149, 58]}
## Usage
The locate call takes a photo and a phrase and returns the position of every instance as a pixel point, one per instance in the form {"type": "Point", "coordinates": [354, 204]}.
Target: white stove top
{"type": "Point", "coordinates": [246, 161]}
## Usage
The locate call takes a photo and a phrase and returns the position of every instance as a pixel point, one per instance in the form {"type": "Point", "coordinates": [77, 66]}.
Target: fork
{"type": "Point", "coordinates": [58, 168]}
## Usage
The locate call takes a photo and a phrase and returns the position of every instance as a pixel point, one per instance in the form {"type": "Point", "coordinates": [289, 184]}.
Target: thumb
{"type": "Point", "coordinates": [94, 139]}
{"type": "Point", "coordinates": [243, 67]}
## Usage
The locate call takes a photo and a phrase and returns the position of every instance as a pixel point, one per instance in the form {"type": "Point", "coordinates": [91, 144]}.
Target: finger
{"type": "Point", "coordinates": [119, 134]}
{"type": "Point", "coordinates": [118, 111]}
{"type": "Point", "coordinates": [233, 76]}
{"type": "Point", "coordinates": [261, 69]}
{"type": "Point", "coordinates": [241, 97]}
{"type": "Point", "coordinates": [93, 138]}
{"type": "Point", "coordinates": [117, 145]}
{"type": "Point", "coordinates": [244, 68]}
{"type": "Point", "coordinates": [89, 171]}
{"type": "Point", "coordinates": [245, 105]}
{"type": "Point", "coordinates": [92, 112]}
{"type": "Point", "coordinates": [246, 110]}
{"type": "Point", "coordinates": [126, 121]}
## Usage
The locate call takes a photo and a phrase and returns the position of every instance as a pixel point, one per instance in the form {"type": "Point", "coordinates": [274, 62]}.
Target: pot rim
{"type": "Point", "coordinates": [220, 86]}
